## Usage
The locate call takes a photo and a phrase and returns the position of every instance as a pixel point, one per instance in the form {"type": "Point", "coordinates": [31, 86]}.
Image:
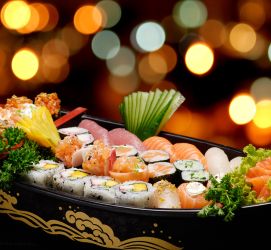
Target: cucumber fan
{"type": "Point", "coordinates": [145, 113]}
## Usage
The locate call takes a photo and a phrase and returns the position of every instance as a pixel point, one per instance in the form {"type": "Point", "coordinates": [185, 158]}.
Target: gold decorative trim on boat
{"type": "Point", "coordinates": [80, 227]}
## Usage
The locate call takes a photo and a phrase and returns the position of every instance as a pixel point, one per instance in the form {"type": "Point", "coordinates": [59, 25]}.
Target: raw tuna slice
{"type": "Point", "coordinates": [121, 136]}
{"type": "Point", "coordinates": [98, 132]}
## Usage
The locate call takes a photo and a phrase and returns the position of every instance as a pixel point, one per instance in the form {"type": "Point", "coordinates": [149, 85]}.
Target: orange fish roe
{"type": "Point", "coordinates": [51, 101]}
{"type": "Point", "coordinates": [16, 102]}
{"type": "Point", "coordinates": [99, 159]}
{"type": "Point", "coordinates": [66, 148]}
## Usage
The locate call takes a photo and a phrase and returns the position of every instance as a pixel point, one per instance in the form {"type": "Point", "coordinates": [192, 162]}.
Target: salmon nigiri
{"type": "Point", "coordinates": [192, 195]}
{"type": "Point", "coordinates": [187, 151]}
{"type": "Point", "coordinates": [158, 142]}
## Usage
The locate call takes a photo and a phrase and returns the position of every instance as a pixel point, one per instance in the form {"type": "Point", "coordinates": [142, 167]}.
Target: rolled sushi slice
{"type": "Point", "coordinates": [72, 131]}
{"type": "Point", "coordinates": [71, 180]}
{"type": "Point", "coordinates": [125, 150]}
{"type": "Point", "coordinates": [200, 176]}
{"type": "Point", "coordinates": [134, 193]}
{"type": "Point", "coordinates": [192, 165]}
{"type": "Point", "coordinates": [42, 172]}
{"type": "Point", "coordinates": [101, 188]}
{"type": "Point", "coordinates": [151, 156]}
{"type": "Point", "coordinates": [165, 195]}
{"type": "Point", "coordinates": [162, 170]}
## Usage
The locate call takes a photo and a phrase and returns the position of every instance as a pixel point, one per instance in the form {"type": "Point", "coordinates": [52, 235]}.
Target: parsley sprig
{"type": "Point", "coordinates": [20, 160]}
{"type": "Point", "coordinates": [225, 196]}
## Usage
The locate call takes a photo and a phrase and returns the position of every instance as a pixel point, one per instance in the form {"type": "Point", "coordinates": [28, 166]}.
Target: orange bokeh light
{"type": "Point", "coordinates": [88, 19]}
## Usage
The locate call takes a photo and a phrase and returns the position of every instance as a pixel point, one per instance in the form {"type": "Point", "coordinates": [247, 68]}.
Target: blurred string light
{"type": "Point", "coordinates": [253, 13]}
{"type": "Point", "coordinates": [111, 12]}
{"type": "Point", "coordinates": [147, 73]}
{"type": "Point", "coordinates": [262, 118]}
{"type": "Point", "coordinates": [258, 136]}
{"type": "Point", "coordinates": [25, 64]}
{"type": "Point", "coordinates": [88, 19]}
{"type": "Point", "coordinates": [190, 13]}
{"type": "Point", "coordinates": [214, 33]}
{"type": "Point", "coordinates": [123, 63]}
{"type": "Point", "coordinates": [261, 88]}
{"type": "Point", "coordinates": [148, 36]}
{"type": "Point", "coordinates": [124, 84]}
{"type": "Point", "coordinates": [242, 109]}
{"type": "Point", "coordinates": [105, 44]}
{"type": "Point", "coordinates": [242, 37]}
{"type": "Point", "coordinates": [15, 14]}
{"type": "Point", "coordinates": [199, 58]}
{"type": "Point", "coordinates": [72, 38]}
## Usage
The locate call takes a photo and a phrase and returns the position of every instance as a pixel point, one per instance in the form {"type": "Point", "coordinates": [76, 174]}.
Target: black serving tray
{"type": "Point", "coordinates": [32, 217]}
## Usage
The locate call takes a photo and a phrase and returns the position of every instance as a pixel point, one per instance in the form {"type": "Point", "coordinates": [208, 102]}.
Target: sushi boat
{"type": "Point", "coordinates": [39, 217]}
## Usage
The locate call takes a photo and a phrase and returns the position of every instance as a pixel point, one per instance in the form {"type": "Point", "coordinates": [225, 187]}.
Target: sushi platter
{"type": "Point", "coordinates": [38, 212]}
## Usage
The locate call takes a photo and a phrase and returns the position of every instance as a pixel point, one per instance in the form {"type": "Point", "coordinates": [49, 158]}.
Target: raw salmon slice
{"type": "Point", "coordinates": [258, 170]}
{"type": "Point", "coordinates": [159, 143]}
{"type": "Point", "coordinates": [258, 182]}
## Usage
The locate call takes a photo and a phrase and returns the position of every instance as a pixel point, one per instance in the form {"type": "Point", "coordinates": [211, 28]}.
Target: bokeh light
{"type": "Point", "coordinates": [190, 13]}
{"type": "Point", "coordinates": [258, 136]}
{"type": "Point", "coordinates": [53, 17]}
{"type": "Point", "coordinates": [105, 44]}
{"type": "Point", "coordinates": [124, 84]}
{"type": "Point", "coordinates": [147, 73]}
{"type": "Point", "coordinates": [199, 58]}
{"type": "Point", "coordinates": [214, 32]}
{"type": "Point", "coordinates": [262, 118]}
{"type": "Point", "coordinates": [123, 63]}
{"type": "Point", "coordinates": [242, 109]}
{"type": "Point", "coordinates": [32, 23]}
{"type": "Point", "coordinates": [111, 13]}
{"type": "Point", "coordinates": [150, 36]}
{"type": "Point", "coordinates": [25, 64]}
{"type": "Point", "coordinates": [253, 13]}
{"type": "Point", "coordinates": [15, 14]}
{"type": "Point", "coordinates": [43, 14]}
{"type": "Point", "coordinates": [88, 19]}
{"type": "Point", "coordinates": [261, 88]}
{"type": "Point", "coordinates": [242, 37]}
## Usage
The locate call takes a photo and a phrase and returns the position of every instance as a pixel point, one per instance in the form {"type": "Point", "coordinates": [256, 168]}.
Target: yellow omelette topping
{"type": "Point", "coordinates": [110, 183]}
{"type": "Point", "coordinates": [50, 166]}
{"type": "Point", "coordinates": [78, 174]}
{"type": "Point", "coordinates": [139, 187]}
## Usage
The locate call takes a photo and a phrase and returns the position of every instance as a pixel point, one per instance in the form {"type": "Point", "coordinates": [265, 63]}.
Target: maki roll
{"type": "Point", "coordinates": [199, 176]}
{"type": "Point", "coordinates": [161, 170]}
{"type": "Point", "coordinates": [151, 156]}
{"type": "Point", "coordinates": [192, 165]}
{"type": "Point", "coordinates": [165, 195]}
{"type": "Point", "coordinates": [134, 193]}
{"type": "Point", "coordinates": [71, 180]}
{"type": "Point", "coordinates": [42, 172]}
{"type": "Point", "coordinates": [101, 188]}
{"type": "Point", "coordinates": [125, 150]}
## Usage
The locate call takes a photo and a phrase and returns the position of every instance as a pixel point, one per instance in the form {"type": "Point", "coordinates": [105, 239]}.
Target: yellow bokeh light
{"type": "Point", "coordinates": [88, 19]}
{"type": "Point", "coordinates": [262, 117]}
{"type": "Point", "coordinates": [15, 14]}
{"type": "Point", "coordinates": [25, 64]}
{"type": "Point", "coordinates": [242, 109]}
{"type": "Point", "coordinates": [243, 37]}
{"type": "Point", "coordinates": [33, 22]}
{"type": "Point", "coordinates": [199, 58]}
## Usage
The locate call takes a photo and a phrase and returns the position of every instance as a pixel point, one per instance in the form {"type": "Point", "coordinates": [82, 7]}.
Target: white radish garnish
{"type": "Point", "coordinates": [217, 161]}
{"type": "Point", "coordinates": [235, 162]}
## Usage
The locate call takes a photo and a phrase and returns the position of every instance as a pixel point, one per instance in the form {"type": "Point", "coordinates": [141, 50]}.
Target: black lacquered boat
{"type": "Point", "coordinates": [33, 217]}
